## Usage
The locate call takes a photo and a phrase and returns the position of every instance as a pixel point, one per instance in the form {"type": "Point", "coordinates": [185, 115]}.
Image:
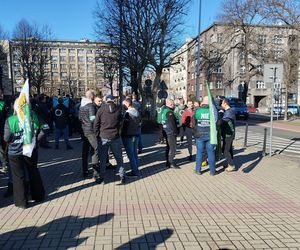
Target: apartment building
{"type": "Point", "coordinates": [72, 68]}
{"type": "Point", "coordinates": [225, 68]}
{"type": "Point", "coordinates": [178, 72]}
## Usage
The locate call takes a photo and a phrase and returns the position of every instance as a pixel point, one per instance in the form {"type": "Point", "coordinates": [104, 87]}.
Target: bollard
{"type": "Point", "coordinates": [265, 142]}
{"type": "Point", "coordinates": [246, 135]}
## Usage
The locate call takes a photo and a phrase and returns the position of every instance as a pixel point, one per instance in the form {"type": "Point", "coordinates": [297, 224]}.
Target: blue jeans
{"type": "Point", "coordinates": [131, 147]}
{"type": "Point", "coordinates": [210, 149]}
{"type": "Point", "coordinates": [115, 146]}
{"type": "Point", "coordinates": [65, 132]}
{"type": "Point", "coordinates": [140, 142]}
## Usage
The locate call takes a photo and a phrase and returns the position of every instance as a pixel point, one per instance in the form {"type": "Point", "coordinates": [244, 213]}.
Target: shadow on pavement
{"type": "Point", "coordinates": [62, 233]}
{"type": "Point", "coordinates": [148, 241]}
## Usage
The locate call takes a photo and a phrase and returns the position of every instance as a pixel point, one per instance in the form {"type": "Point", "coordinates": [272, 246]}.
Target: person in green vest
{"type": "Point", "coordinates": [201, 127]}
{"type": "Point", "coordinates": [159, 110]}
{"type": "Point", "coordinates": [179, 109]}
{"type": "Point", "coordinates": [3, 115]}
{"type": "Point", "coordinates": [170, 133]}
{"type": "Point", "coordinates": [14, 136]}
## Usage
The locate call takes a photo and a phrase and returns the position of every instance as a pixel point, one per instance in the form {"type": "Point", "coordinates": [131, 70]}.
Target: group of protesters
{"type": "Point", "coordinates": [106, 127]}
{"type": "Point", "coordinates": [195, 120]}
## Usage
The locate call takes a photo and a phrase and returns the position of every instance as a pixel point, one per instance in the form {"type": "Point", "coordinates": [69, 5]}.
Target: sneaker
{"type": "Point", "coordinates": [69, 147]}
{"type": "Point", "coordinates": [110, 166]}
{"type": "Point", "coordinates": [99, 180]}
{"type": "Point", "coordinates": [197, 172]}
{"type": "Point", "coordinates": [122, 180]}
{"type": "Point", "coordinates": [230, 168]}
{"type": "Point", "coordinates": [167, 164]}
{"type": "Point", "coordinates": [132, 175]}
{"type": "Point", "coordinates": [173, 165]}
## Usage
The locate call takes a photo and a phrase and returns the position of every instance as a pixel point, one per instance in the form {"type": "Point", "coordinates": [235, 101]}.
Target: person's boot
{"type": "Point", "coordinates": [98, 179]}
{"type": "Point", "coordinates": [9, 190]}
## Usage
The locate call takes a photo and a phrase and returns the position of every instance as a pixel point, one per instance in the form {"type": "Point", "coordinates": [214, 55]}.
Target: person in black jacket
{"type": "Point", "coordinates": [87, 114]}
{"type": "Point", "coordinates": [107, 126]}
{"type": "Point", "coordinates": [61, 123]}
{"type": "Point", "coordinates": [20, 164]}
{"type": "Point", "coordinates": [130, 136]}
{"type": "Point", "coordinates": [170, 132]}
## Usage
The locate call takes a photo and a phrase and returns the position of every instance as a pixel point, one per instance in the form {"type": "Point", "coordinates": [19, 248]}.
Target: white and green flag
{"type": "Point", "coordinates": [23, 110]}
{"type": "Point", "coordinates": [212, 118]}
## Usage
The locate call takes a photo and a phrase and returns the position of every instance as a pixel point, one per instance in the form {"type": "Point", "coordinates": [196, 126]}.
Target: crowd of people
{"type": "Point", "coordinates": [105, 126]}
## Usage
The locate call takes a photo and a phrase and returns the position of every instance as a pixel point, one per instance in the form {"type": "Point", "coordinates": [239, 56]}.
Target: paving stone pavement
{"type": "Point", "coordinates": [257, 207]}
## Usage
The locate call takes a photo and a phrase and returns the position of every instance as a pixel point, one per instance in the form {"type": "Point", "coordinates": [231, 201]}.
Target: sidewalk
{"type": "Point", "coordinates": [285, 125]}
{"type": "Point", "coordinates": [257, 207]}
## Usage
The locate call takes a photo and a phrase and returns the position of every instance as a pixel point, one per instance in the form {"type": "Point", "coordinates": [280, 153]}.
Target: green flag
{"type": "Point", "coordinates": [212, 118]}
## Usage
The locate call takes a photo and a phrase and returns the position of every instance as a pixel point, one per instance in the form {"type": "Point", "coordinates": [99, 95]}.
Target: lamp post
{"type": "Point", "coordinates": [198, 54]}
{"type": "Point", "coordinates": [120, 51]}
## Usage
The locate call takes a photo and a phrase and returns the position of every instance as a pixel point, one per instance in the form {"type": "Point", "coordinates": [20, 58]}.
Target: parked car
{"type": "Point", "coordinates": [293, 109]}
{"type": "Point", "coordinates": [252, 109]}
{"type": "Point", "coordinates": [239, 106]}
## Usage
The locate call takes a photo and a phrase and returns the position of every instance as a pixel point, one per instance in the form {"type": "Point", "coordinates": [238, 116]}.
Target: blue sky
{"type": "Point", "coordinates": [73, 19]}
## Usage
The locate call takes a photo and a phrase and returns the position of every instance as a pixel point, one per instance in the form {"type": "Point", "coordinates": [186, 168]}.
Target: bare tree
{"type": "Point", "coordinates": [107, 65]}
{"type": "Point", "coordinates": [125, 24]}
{"type": "Point", "coordinates": [240, 19]}
{"type": "Point", "coordinates": [167, 26]}
{"type": "Point", "coordinates": [3, 55]}
{"type": "Point", "coordinates": [288, 13]}
{"type": "Point", "coordinates": [31, 52]}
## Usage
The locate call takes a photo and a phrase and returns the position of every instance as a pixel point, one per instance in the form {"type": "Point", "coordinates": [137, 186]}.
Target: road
{"type": "Point", "coordinates": [284, 141]}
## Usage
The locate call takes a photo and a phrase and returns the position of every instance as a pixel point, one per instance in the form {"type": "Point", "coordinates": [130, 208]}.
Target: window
{"type": "Point", "coordinates": [54, 66]}
{"type": "Point", "coordinates": [54, 74]}
{"type": "Point", "coordinates": [81, 74]}
{"type": "Point", "coordinates": [62, 58]}
{"type": "Point", "coordinates": [260, 85]}
{"type": "Point", "coordinates": [53, 58]}
{"type": "Point", "coordinates": [63, 74]}
{"type": "Point", "coordinates": [242, 69]}
{"type": "Point", "coordinates": [262, 39]}
{"type": "Point", "coordinates": [219, 70]}
{"type": "Point", "coordinates": [72, 66]}
{"type": "Point", "coordinates": [278, 53]}
{"type": "Point", "coordinates": [63, 66]}
{"type": "Point", "coordinates": [90, 68]}
{"type": "Point", "coordinates": [80, 51]}
{"type": "Point", "coordinates": [277, 85]}
{"type": "Point", "coordinates": [53, 50]}
{"type": "Point", "coordinates": [259, 69]}
{"type": "Point", "coordinates": [89, 51]}
{"type": "Point", "coordinates": [219, 37]}
{"type": "Point", "coordinates": [62, 50]}
{"type": "Point", "coordinates": [277, 39]}
{"type": "Point", "coordinates": [242, 55]}
{"type": "Point", "coordinates": [219, 85]}
{"type": "Point", "coordinates": [90, 59]}
{"type": "Point", "coordinates": [80, 59]}
{"type": "Point", "coordinates": [71, 51]}
{"type": "Point", "coordinates": [72, 58]}
{"type": "Point", "coordinates": [17, 65]}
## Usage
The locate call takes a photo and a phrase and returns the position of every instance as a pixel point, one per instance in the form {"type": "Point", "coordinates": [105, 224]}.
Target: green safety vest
{"type": "Point", "coordinates": [159, 114]}
{"type": "Point", "coordinates": [2, 105]}
{"type": "Point", "coordinates": [202, 123]}
{"type": "Point", "coordinates": [179, 110]}
{"type": "Point", "coordinates": [14, 125]}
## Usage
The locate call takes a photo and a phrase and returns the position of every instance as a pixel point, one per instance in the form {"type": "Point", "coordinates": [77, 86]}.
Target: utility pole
{"type": "Point", "coordinates": [120, 51]}
{"type": "Point", "coordinates": [198, 55]}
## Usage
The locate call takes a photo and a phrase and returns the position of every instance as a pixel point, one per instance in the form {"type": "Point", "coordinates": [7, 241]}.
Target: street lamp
{"type": "Point", "coordinates": [198, 53]}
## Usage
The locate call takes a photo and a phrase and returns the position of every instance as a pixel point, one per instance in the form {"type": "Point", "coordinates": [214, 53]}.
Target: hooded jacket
{"type": "Point", "coordinates": [87, 114]}
{"type": "Point", "coordinates": [108, 121]}
{"type": "Point", "coordinates": [131, 123]}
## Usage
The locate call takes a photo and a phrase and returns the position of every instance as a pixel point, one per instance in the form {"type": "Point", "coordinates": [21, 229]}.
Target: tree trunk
{"type": "Point", "coordinates": [155, 88]}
